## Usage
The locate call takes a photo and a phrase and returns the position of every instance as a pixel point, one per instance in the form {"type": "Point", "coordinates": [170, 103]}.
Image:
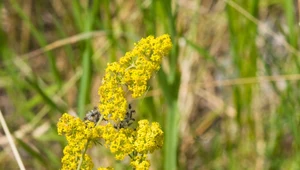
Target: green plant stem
{"type": "Point", "coordinates": [171, 139]}
{"type": "Point", "coordinates": [83, 153]}
{"type": "Point", "coordinates": [85, 81]}
{"type": "Point", "coordinates": [100, 119]}
{"type": "Point", "coordinates": [171, 121]}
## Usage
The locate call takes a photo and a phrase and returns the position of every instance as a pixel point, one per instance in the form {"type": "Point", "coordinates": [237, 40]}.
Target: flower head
{"type": "Point", "coordinates": [140, 162]}
{"type": "Point", "coordinates": [149, 137]}
{"type": "Point", "coordinates": [143, 61]}
{"type": "Point", "coordinates": [120, 142]}
{"type": "Point", "coordinates": [132, 72]}
{"type": "Point", "coordinates": [77, 133]}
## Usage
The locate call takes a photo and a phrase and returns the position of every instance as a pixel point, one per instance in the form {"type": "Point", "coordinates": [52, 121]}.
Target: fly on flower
{"type": "Point", "coordinates": [93, 115]}
{"type": "Point", "coordinates": [128, 120]}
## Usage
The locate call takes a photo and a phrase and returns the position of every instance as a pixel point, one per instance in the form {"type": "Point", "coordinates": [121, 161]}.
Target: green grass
{"type": "Point", "coordinates": [206, 126]}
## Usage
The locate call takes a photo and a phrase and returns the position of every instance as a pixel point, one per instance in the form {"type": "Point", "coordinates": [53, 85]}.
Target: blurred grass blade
{"type": "Point", "coordinates": [202, 51]}
{"type": "Point", "coordinates": [35, 154]}
{"type": "Point", "coordinates": [293, 33]}
{"type": "Point", "coordinates": [89, 14]}
{"type": "Point", "coordinates": [47, 99]}
{"type": "Point", "coordinates": [41, 39]}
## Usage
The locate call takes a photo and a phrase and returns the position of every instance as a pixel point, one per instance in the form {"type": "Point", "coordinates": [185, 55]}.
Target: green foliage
{"type": "Point", "coordinates": [212, 117]}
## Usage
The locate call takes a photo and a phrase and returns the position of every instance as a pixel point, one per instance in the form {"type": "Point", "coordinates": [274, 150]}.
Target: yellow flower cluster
{"type": "Point", "coordinates": [120, 142]}
{"type": "Point", "coordinates": [148, 137]}
{"type": "Point", "coordinates": [142, 61]}
{"type": "Point", "coordinates": [145, 139]}
{"type": "Point", "coordinates": [139, 162]}
{"type": "Point", "coordinates": [77, 134]}
{"type": "Point", "coordinates": [131, 72]}
{"type": "Point", "coordinates": [112, 96]}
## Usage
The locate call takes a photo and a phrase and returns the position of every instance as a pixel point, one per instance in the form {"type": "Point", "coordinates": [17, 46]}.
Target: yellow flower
{"type": "Point", "coordinates": [120, 142]}
{"type": "Point", "coordinates": [77, 133]}
{"type": "Point", "coordinates": [143, 61]}
{"type": "Point", "coordinates": [149, 137]}
{"type": "Point", "coordinates": [132, 71]}
{"type": "Point", "coordinates": [139, 162]}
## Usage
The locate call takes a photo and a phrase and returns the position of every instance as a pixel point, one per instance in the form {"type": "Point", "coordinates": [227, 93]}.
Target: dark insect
{"type": "Point", "coordinates": [128, 120]}
{"type": "Point", "coordinates": [93, 115]}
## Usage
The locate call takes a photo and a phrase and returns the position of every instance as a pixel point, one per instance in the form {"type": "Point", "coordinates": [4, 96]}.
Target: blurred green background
{"type": "Point", "coordinates": [226, 96]}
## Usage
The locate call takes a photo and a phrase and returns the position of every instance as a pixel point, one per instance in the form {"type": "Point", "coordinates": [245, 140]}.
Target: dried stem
{"type": "Point", "coordinates": [11, 142]}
